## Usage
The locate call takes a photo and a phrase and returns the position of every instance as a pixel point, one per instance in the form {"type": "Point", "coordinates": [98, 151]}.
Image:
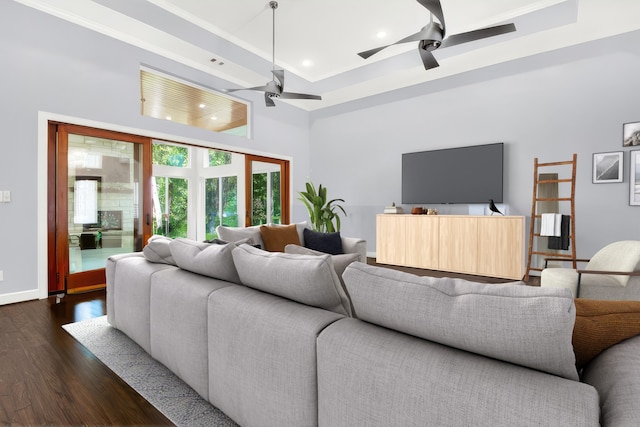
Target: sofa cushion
{"type": "Point", "coordinates": [203, 258]}
{"type": "Point", "coordinates": [276, 237]}
{"type": "Point", "coordinates": [307, 279]}
{"type": "Point", "coordinates": [528, 326]}
{"type": "Point", "coordinates": [157, 250]}
{"type": "Point", "coordinates": [601, 324]}
{"type": "Point", "coordinates": [615, 373]}
{"type": "Point", "coordinates": [329, 243]}
{"type": "Point", "coordinates": [340, 263]}
{"type": "Point", "coordinates": [235, 234]}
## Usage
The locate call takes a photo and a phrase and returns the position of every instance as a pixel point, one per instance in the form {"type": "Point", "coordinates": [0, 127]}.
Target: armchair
{"type": "Point", "coordinates": [613, 273]}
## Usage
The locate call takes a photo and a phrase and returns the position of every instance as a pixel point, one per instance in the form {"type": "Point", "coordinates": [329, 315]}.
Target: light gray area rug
{"type": "Point", "coordinates": [150, 378]}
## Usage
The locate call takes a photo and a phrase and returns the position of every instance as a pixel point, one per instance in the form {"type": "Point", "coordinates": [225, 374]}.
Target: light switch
{"type": "Point", "coordinates": [6, 196]}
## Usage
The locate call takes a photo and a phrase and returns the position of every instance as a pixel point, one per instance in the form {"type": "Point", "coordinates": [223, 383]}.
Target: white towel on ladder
{"type": "Point", "coordinates": [550, 224]}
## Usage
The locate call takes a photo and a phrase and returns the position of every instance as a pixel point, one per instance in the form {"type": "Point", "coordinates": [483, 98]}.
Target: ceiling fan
{"type": "Point", "coordinates": [432, 35]}
{"type": "Point", "coordinates": [275, 88]}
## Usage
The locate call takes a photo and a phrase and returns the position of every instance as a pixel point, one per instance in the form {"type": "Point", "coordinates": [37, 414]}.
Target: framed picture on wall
{"type": "Point", "coordinates": [631, 134]}
{"type": "Point", "coordinates": [607, 167]}
{"type": "Point", "coordinates": [634, 179]}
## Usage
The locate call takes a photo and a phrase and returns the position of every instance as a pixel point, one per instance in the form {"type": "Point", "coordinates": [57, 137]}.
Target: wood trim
{"type": "Point", "coordinates": [55, 282]}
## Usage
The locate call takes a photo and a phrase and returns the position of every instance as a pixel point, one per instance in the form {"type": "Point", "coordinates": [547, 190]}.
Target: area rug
{"type": "Point", "coordinates": [151, 379]}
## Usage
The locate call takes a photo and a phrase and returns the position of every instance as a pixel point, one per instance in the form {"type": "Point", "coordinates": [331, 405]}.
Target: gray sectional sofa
{"type": "Point", "coordinates": [279, 339]}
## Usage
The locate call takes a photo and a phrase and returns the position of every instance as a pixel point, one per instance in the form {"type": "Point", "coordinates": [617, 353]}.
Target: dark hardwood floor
{"type": "Point", "coordinates": [48, 378]}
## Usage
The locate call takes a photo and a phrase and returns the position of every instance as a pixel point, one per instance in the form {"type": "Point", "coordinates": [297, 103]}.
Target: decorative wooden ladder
{"type": "Point", "coordinates": [536, 216]}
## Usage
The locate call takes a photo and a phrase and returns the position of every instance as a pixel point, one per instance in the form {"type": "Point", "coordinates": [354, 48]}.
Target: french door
{"type": "Point", "coordinates": [99, 202]}
{"type": "Point", "coordinates": [267, 198]}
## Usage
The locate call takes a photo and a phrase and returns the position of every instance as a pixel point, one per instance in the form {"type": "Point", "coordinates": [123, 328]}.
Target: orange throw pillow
{"type": "Point", "coordinates": [601, 324]}
{"type": "Point", "coordinates": [276, 237]}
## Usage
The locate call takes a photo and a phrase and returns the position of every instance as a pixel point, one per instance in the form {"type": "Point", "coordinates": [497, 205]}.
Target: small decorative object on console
{"type": "Point", "coordinates": [393, 209]}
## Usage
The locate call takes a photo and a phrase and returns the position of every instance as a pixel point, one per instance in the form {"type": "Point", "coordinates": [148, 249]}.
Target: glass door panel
{"type": "Point", "coordinates": [221, 203]}
{"type": "Point", "coordinates": [103, 211]}
{"type": "Point", "coordinates": [266, 205]}
{"type": "Point", "coordinates": [170, 206]}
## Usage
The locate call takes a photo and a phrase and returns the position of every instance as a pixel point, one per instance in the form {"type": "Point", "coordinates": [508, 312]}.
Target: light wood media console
{"type": "Point", "coordinates": [490, 246]}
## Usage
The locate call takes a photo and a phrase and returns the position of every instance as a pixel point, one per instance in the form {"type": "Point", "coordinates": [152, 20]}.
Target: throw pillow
{"type": "Point", "coordinates": [601, 324]}
{"type": "Point", "coordinates": [204, 258]}
{"type": "Point", "coordinates": [340, 264]}
{"type": "Point", "coordinates": [235, 234]}
{"type": "Point", "coordinates": [276, 237]}
{"type": "Point", "coordinates": [329, 243]}
{"type": "Point", "coordinates": [307, 279]}
{"type": "Point", "coordinates": [300, 226]}
{"type": "Point", "coordinates": [157, 250]}
{"type": "Point", "coordinates": [526, 325]}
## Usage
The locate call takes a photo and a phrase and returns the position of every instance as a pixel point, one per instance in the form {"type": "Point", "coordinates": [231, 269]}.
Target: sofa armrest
{"type": "Point", "coordinates": [354, 245]}
{"type": "Point", "coordinates": [615, 373]}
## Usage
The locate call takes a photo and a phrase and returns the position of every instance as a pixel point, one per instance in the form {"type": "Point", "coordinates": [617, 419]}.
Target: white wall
{"type": "Point", "coordinates": [550, 106]}
{"type": "Point", "coordinates": [50, 65]}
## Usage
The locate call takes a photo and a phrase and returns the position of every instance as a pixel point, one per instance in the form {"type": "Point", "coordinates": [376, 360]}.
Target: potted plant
{"type": "Point", "coordinates": [322, 213]}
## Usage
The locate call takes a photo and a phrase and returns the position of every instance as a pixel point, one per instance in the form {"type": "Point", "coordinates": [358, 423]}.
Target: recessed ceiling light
{"type": "Point", "coordinates": [201, 105]}
{"type": "Point", "coordinates": [214, 118]}
{"type": "Point", "coordinates": [381, 34]}
{"type": "Point", "coordinates": [168, 117]}
{"type": "Point", "coordinates": [307, 63]}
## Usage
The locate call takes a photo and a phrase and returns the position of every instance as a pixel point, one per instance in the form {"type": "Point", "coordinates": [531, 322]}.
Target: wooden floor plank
{"type": "Point", "coordinates": [48, 378]}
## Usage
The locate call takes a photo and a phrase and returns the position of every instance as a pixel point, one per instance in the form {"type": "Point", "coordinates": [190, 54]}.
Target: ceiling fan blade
{"type": "Point", "coordinates": [268, 101]}
{"type": "Point", "coordinates": [428, 60]}
{"type": "Point", "coordinates": [291, 95]}
{"type": "Point", "coordinates": [368, 53]}
{"type": "Point", "coordinates": [434, 7]}
{"type": "Point", "coordinates": [477, 35]}
{"type": "Point", "coordinates": [420, 35]}
{"type": "Point", "coordinates": [260, 88]}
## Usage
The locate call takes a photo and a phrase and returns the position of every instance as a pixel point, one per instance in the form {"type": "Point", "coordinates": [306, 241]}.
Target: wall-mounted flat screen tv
{"type": "Point", "coordinates": [464, 175]}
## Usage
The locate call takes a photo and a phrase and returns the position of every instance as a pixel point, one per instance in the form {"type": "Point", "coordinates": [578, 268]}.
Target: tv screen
{"type": "Point", "coordinates": [454, 175]}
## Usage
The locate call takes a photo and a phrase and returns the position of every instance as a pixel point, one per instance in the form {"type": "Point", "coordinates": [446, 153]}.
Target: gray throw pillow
{"type": "Point", "coordinates": [157, 250]}
{"type": "Point", "coordinates": [340, 263]}
{"type": "Point", "coordinates": [526, 325]}
{"type": "Point", "coordinates": [235, 234]}
{"type": "Point", "coordinates": [207, 259]}
{"type": "Point", "coordinates": [308, 279]}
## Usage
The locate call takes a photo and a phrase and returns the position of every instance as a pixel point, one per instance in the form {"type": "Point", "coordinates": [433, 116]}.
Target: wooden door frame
{"type": "Point", "coordinates": [285, 186]}
{"type": "Point", "coordinates": [57, 231]}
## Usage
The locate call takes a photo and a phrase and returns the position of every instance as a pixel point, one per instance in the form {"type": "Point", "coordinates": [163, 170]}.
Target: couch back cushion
{"type": "Point", "coordinates": [208, 259]}
{"type": "Point", "coordinates": [617, 256]}
{"type": "Point", "coordinates": [528, 326]}
{"type": "Point", "coordinates": [157, 250]}
{"type": "Point", "coordinates": [308, 279]}
{"type": "Point", "coordinates": [235, 234]}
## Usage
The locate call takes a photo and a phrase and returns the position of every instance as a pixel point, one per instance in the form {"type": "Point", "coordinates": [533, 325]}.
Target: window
{"type": "Point", "coordinates": [196, 189]}
{"type": "Point", "coordinates": [169, 98]}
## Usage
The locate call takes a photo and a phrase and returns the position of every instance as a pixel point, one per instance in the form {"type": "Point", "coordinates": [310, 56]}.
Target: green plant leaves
{"type": "Point", "coordinates": [323, 215]}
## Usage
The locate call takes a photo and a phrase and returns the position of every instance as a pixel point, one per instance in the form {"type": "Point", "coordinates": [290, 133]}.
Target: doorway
{"type": "Point", "coordinates": [101, 202]}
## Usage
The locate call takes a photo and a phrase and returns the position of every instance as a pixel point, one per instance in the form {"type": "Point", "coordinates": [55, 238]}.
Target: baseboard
{"type": "Point", "coordinates": [19, 297]}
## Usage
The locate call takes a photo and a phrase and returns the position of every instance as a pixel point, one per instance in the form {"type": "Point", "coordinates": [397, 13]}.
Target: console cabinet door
{"type": "Point", "coordinates": [500, 243]}
{"type": "Point", "coordinates": [459, 244]}
{"type": "Point", "coordinates": [390, 239]}
{"type": "Point", "coordinates": [422, 241]}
